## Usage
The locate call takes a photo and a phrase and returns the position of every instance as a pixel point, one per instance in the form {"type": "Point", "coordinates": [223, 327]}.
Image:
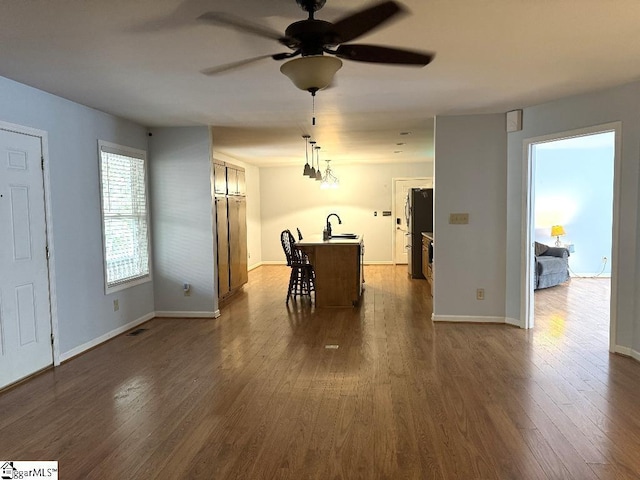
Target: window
{"type": "Point", "coordinates": [125, 219]}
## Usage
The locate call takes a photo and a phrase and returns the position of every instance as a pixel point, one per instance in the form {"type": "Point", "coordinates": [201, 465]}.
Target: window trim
{"type": "Point", "coordinates": [108, 147]}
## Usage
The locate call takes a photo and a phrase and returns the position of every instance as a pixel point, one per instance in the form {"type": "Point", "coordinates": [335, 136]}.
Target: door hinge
{"type": "Point", "coordinates": [52, 339]}
{"type": "Point", "coordinates": [46, 249]}
{"type": "Point", "coordinates": [42, 163]}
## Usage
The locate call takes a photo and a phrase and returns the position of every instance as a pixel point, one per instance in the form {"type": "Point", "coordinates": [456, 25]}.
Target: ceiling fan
{"type": "Point", "coordinates": [311, 39]}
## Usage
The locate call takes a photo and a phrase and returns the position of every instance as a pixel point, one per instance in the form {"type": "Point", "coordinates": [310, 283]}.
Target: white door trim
{"type": "Point", "coordinates": [53, 305]}
{"type": "Point", "coordinates": [526, 301]}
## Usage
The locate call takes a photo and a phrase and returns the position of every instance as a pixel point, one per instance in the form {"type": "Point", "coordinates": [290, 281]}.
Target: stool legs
{"type": "Point", "coordinates": [301, 281]}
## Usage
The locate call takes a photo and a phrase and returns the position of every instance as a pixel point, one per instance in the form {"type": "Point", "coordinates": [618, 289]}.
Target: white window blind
{"type": "Point", "coordinates": [124, 215]}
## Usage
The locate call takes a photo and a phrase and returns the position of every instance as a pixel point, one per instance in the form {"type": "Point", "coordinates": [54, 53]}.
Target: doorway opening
{"type": "Point", "coordinates": [401, 187]}
{"type": "Point", "coordinates": [572, 203]}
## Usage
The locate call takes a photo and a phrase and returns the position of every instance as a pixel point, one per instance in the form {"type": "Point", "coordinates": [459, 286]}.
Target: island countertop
{"type": "Point", "coordinates": [317, 240]}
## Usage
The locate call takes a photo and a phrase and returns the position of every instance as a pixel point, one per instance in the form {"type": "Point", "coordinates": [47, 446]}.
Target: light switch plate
{"type": "Point", "coordinates": [458, 218]}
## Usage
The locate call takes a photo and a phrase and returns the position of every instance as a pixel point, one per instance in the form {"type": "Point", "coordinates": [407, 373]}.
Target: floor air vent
{"type": "Point", "coordinates": [137, 331]}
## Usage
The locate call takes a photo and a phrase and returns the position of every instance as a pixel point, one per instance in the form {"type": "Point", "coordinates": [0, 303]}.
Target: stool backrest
{"type": "Point", "coordinates": [294, 257]}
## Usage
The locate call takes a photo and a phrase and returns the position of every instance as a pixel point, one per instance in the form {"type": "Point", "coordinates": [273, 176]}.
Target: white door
{"type": "Point", "coordinates": [25, 316]}
{"type": "Point", "coordinates": [401, 187]}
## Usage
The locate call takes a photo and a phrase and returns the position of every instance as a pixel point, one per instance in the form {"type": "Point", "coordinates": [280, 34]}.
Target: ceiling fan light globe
{"type": "Point", "coordinates": [313, 72]}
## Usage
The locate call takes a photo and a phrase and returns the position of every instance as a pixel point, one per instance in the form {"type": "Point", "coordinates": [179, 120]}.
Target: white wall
{"type": "Point", "coordinates": [289, 200]}
{"type": "Point", "coordinates": [181, 213]}
{"type": "Point", "coordinates": [470, 172]}
{"type": "Point", "coordinates": [571, 113]}
{"type": "Point", "coordinates": [83, 310]}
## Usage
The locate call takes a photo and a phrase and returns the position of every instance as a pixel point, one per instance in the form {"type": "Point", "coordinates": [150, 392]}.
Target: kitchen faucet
{"type": "Point", "coordinates": [329, 223]}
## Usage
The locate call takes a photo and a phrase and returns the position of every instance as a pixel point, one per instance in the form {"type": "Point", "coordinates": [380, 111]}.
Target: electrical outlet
{"type": "Point", "coordinates": [480, 294]}
{"type": "Point", "coordinates": [458, 218]}
{"type": "Point", "coordinates": [116, 305]}
{"type": "Point", "coordinates": [186, 289]}
{"type": "Point", "coordinates": [604, 259]}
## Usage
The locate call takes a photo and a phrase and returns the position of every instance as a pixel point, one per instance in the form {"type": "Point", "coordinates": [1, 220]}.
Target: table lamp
{"type": "Point", "coordinates": [557, 231]}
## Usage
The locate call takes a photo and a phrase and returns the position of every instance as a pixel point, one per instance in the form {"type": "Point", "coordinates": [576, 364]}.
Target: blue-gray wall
{"type": "Point", "coordinates": [83, 310]}
{"type": "Point", "coordinates": [183, 239]}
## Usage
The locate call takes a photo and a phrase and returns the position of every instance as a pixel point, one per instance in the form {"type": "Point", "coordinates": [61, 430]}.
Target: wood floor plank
{"type": "Point", "coordinates": [255, 393]}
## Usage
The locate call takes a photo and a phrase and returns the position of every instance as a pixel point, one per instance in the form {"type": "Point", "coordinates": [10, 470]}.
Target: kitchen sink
{"type": "Point", "coordinates": [344, 235]}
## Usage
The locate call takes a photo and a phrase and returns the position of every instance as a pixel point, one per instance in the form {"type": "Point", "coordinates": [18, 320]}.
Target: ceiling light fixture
{"type": "Point", "coordinates": [329, 180]}
{"type": "Point", "coordinates": [307, 168]}
{"type": "Point", "coordinates": [318, 176]}
{"type": "Point", "coordinates": [318, 172]}
{"type": "Point", "coordinates": [308, 172]}
{"type": "Point", "coordinates": [311, 73]}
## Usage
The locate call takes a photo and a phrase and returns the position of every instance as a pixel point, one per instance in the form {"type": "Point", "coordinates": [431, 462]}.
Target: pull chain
{"type": "Point", "coordinates": [313, 107]}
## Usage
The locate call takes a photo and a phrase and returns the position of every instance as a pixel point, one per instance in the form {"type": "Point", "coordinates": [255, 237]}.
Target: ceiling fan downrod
{"type": "Point", "coordinates": [311, 6]}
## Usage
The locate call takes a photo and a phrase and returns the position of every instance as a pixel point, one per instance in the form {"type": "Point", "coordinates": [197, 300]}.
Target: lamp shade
{"type": "Point", "coordinates": [313, 72]}
{"type": "Point", "coordinates": [557, 230]}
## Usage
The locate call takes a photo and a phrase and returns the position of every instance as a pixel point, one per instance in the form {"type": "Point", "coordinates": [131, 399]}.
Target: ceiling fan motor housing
{"type": "Point", "coordinates": [312, 36]}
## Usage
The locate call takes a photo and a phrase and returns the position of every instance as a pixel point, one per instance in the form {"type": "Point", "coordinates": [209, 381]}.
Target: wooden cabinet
{"type": "Point", "coordinates": [236, 181]}
{"type": "Point", "coordinates": [231, 227]}
{"type": "Point", "coordinates": [237, 242]}
{"type": "Point", "coordinates": [222, 235]}
{"type": "Point", "coordinates": [427, 260]}
{"type": "Point", "coordinates": [219, 179]}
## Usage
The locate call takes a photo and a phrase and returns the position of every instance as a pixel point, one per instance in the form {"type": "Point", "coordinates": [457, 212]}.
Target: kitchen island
{"type": "Point", "coordinates": [337, 263]}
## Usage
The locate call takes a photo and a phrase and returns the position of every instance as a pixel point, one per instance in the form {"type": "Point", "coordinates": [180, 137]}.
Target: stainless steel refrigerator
{"type": "Point", "coordinates": [419, 213]}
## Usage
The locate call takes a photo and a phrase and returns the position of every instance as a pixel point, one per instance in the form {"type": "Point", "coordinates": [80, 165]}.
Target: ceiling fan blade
{"type": "Point", "coordinates": [376, 54]}
{"type": "Point", "coordinates": [231, 66]}
{"type": "Point", "coordinates": [365, 20]}
{"type": "Point", "coordinates": [228, 20]}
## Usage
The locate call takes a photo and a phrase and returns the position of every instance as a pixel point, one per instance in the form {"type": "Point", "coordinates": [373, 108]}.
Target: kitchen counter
{"type": "Point", "coordinates": [337, 263]}
{"type": "Point", "coordinates": [317, 240]}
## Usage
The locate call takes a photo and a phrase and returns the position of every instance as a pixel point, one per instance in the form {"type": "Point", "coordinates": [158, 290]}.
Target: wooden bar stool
{"type": "Point", "coordinates": [301, 279]}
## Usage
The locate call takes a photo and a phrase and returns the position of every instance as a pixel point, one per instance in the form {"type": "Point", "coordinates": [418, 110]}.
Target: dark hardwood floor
{"type": "Point", "coordinates": [256, 394]}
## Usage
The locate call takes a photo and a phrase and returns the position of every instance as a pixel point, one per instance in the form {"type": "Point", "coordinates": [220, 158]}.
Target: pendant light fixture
{"type": "Point", "coordinates": [308, 172]}
{"type": "Point", "coordinates": [307, 168]}
{"type": "Point", "coordinates": [329, 180]}
{"type": "Point", "coordinates": [318, 172]}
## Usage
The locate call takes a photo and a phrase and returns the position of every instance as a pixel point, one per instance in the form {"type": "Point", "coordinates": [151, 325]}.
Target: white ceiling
{"type": "Point", "coordinates": [141, 59]}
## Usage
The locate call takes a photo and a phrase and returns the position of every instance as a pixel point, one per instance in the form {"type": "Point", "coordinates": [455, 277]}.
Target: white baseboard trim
{"type": "Point", "coordinates": [379, 262]}
{"type": "Point", "coordinates": [274, 262]}
{"type": "Point", "coordinates": [467, 319]}
{"type": "Point", "coordinates": [513, 321]}
{"type": "Point", "coordinates": [254, 266]}
{"type": "Point", "coordinates": [628, 352]}
{"type": "Point", "coordinates": [170, 314]}
{"type": "Point", "coordinates": [590, 275]}
{"type": "Point", "coordinates": [103, 338]}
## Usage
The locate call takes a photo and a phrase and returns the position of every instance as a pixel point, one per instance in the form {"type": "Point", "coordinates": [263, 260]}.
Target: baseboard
{"type": "Point", "coordinates": [103, 338]}
{"type": "Point", "coordinates": [274, 262]}
{"type": "Point", "coordinates": [380, 262]}
{"type": "Point", "coordinates": [170, 314]}
{"type": "Point", "coordinates": [590, 275]}
{"type": "Point", "coordinates": [467, 319]}
{"type": "Point", "coordinates": [254, 266]}
{"type": "Point", "coordinates": [514, 321]}
{"type": "Point", "coordinates": [628, 352]}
